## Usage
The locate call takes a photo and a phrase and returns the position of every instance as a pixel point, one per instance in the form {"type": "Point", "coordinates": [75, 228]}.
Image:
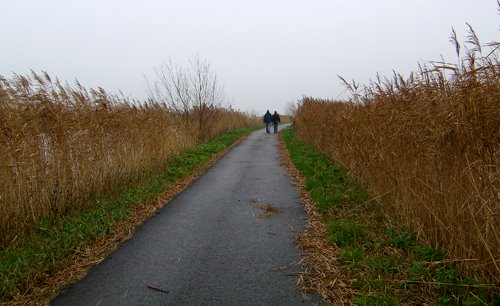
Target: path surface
{"type": "Point", "coordinates": [212, 244]}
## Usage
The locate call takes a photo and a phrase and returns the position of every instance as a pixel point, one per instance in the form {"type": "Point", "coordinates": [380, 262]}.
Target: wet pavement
{"type": "Point", "coordinates": [228, 239]}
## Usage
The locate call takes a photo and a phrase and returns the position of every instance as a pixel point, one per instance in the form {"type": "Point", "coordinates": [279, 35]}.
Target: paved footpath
{"type": "Point", "coordinates": [213, 244]}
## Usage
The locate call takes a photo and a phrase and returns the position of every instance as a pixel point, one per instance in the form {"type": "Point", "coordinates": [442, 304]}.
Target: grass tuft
{"type": "Point", "coordinates": [345, 233]}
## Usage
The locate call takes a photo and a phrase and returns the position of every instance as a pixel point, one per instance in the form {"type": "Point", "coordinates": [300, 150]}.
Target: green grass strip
{"type": "Point", "coordinates": [49, 242]}
{"type": "Point", "coordinates": [328, 184]}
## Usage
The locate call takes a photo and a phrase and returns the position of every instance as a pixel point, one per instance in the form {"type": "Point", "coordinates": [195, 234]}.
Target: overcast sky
{"type": "Point", "coordinates": [266, 53]}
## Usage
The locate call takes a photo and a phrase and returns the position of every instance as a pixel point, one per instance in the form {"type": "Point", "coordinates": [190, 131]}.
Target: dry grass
{"type": "Point", "coordinates": [428, 148]}
{"type": "Point", "coordinates": [62, 145]}
{"type": "Point", "coordinates": [268, 208]}
{"type": "Point", "coordinates": [321, 275]}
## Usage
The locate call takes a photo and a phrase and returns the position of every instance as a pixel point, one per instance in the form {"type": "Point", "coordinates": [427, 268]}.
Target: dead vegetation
{"type": "Point", "coordinates": [321, 275]}
{"type": "Point", "coordinates": [62, 145]}
{"type": "Point", "coordinates": [427, 147]}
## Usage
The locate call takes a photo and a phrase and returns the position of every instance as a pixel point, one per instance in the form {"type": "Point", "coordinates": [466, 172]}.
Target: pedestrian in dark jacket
{"type": "Point", "coordinates": [268, 118]}
{"type": "Point", "coordinates": [276, 121]}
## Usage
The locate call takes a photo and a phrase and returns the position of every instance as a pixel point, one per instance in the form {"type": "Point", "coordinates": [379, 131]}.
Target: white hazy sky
{"type": "Point", "coordinates": [266, 53]}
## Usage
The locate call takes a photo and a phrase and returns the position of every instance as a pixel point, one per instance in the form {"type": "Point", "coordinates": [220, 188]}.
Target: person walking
{"type": "Point", "coordinates": [268, 118]}
{"type": "Point", "coordinates": [276, 121]}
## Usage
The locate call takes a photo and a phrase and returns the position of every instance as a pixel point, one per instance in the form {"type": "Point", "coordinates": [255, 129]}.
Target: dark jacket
{"type": "Point", "coordinates": [268, 117]}
{"type": "Point", "coordinates": [276, 118]}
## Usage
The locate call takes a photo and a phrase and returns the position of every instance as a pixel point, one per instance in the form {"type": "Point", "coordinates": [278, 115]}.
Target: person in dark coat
{"type": "Point", "coordinates": [268, 118]}
{"type": "Point", "coordinates": [276, 121]}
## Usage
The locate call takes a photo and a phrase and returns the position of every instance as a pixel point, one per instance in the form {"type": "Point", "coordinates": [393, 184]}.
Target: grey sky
{"type": "Point", "coordinates": [266, 52]}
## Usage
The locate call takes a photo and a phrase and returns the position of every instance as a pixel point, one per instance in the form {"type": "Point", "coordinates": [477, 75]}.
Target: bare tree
{"type": "Point", "coordinates": [192, 92]}
{"type": "Point", "coordinates": [291, 108]}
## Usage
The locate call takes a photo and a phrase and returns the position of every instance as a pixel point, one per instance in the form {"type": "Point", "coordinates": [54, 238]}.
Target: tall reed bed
{"type": "Point", "coordinates": [428, 147]}
{"type": "Point", "coordinates": [61, 145]}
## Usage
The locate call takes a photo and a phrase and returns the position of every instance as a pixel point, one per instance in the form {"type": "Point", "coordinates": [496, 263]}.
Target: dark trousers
{"type": "Point", "coordinates": [267, 127]}
{"type": "Point", "coordinates": [275, 127]}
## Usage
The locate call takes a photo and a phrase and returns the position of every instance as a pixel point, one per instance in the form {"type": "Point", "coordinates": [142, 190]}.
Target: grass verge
{"type": "Point", "coordinates": [38, 262]}
{"type": "Point", "coordinates": [356, 255]}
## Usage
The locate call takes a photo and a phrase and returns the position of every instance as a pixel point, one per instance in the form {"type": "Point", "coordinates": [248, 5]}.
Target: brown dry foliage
{"type": "Point", "coordinates": [428, 149]}
{"type": "Point", "coordinates": [321, 273]}
{"type": "Point", "coordinates": [61, 145]}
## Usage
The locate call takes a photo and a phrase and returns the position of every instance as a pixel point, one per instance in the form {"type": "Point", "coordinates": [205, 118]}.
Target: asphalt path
{"type": "Point", "coordinates": [228, 239]}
